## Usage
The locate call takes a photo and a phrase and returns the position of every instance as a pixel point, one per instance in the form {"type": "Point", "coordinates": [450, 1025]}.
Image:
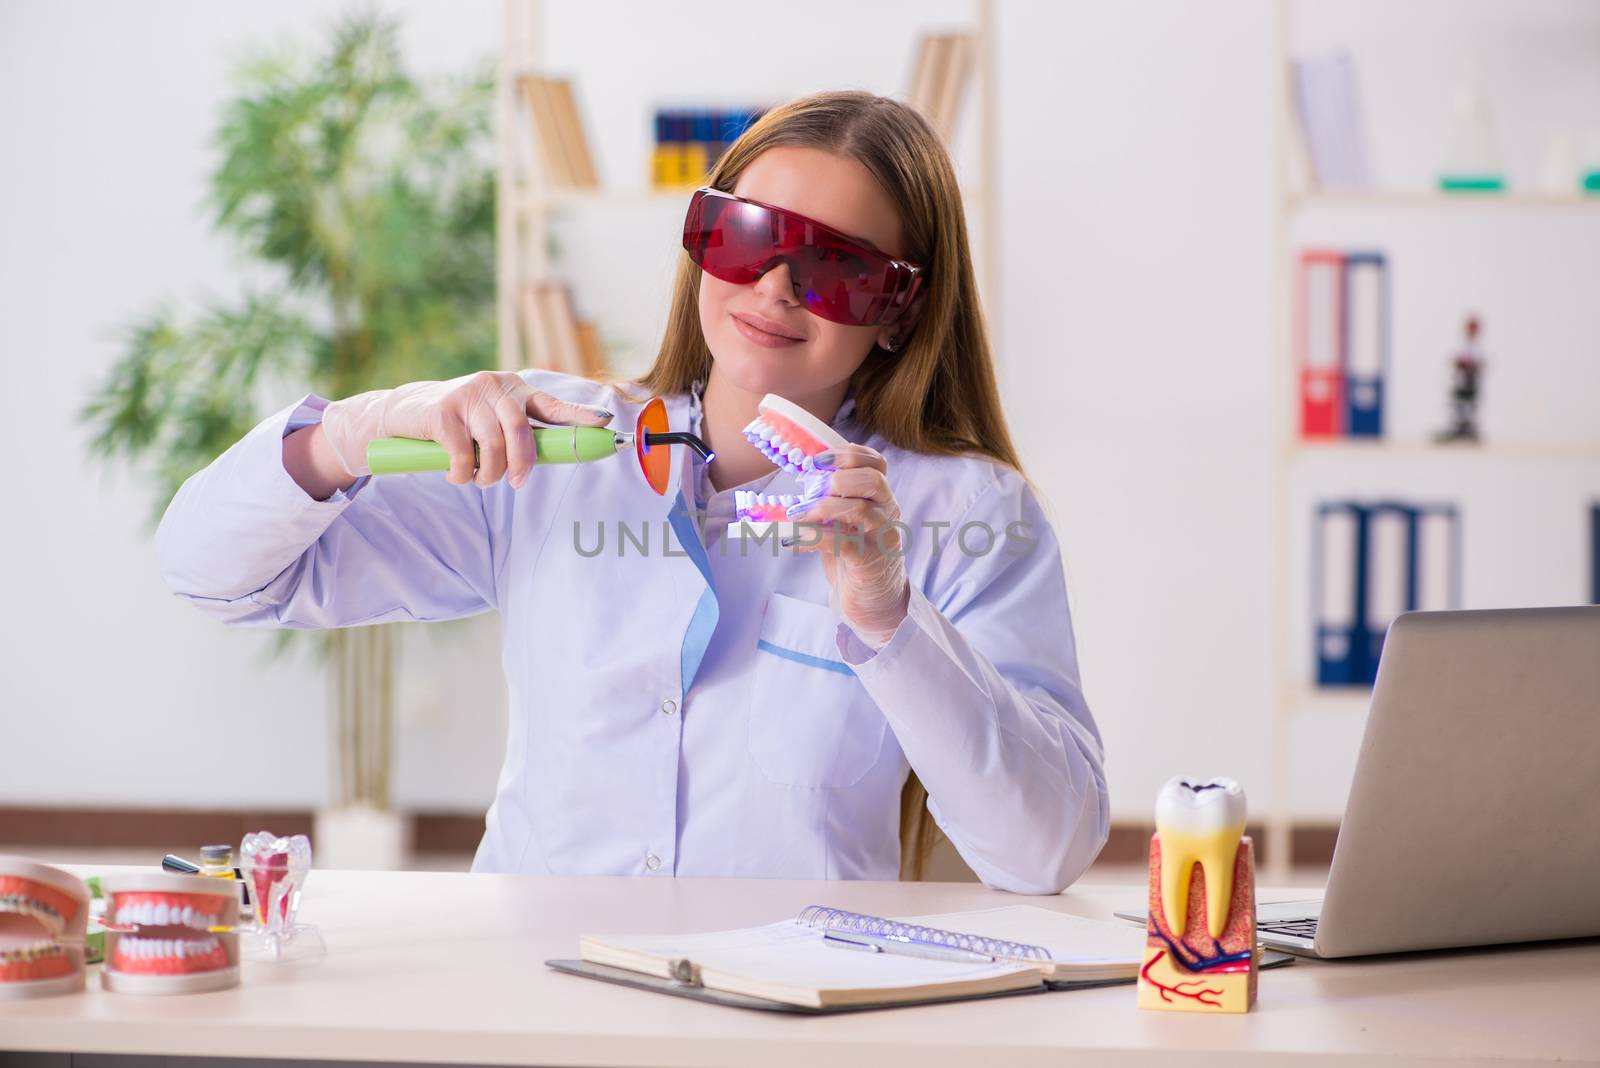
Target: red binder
{"type": "Point", "coordinates": [1320, 337]}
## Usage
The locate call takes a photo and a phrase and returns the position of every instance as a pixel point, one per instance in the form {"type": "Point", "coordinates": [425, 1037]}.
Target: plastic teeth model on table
{"type": "Point", "coordinates": [44, 913]}
{"type": "Point", "coordinates": [276, 869]}
{"type": "Point", "coordinates": [170, 934]}
{"type": "Point", "coordinates": [791, 438]}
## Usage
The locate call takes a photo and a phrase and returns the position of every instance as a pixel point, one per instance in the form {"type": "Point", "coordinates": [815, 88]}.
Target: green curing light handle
{"type": "Point", "coordinates": [551, 445]}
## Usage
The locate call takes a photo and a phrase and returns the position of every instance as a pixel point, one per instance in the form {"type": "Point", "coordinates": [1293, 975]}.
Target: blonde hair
{"type": "Point", "coordinates": [937, 394]}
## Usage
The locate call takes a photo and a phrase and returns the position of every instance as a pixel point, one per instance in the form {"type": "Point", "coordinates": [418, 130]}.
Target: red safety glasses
{"type": "Point", "coordinates": [840, 280]}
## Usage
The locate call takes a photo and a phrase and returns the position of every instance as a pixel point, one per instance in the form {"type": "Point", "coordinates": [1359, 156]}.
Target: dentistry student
{"type": "Point", "coordinates": [697, 707]}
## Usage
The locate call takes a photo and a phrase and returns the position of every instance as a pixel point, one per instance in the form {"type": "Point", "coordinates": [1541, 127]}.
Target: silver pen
{"type": "Point", "coordinates": [880, 944]}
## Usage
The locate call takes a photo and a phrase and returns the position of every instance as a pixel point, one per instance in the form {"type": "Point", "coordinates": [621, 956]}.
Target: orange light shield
{"type": "Point", "coordinates": [656, 463]}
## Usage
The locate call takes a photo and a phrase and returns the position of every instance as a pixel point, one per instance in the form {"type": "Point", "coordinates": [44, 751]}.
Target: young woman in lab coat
{"type": "Point", "coordinates": [691, 709]}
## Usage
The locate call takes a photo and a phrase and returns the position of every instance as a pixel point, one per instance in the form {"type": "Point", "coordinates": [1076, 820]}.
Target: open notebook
{"type": "Point", "coordinates": [826, 958]}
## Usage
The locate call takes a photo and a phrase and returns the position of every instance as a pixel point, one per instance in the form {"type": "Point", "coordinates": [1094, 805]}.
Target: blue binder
{"type": "Point", "coordinates": [1373, 562]}
{"type": "Point", "coordinates": [1338, 584]}
{"type": "Point", "coordinates": [1367, 330]}
{"type": "Point", "coordinates": [1391, 579]}
{"type": "Point", "coordinates": [1594, 553]}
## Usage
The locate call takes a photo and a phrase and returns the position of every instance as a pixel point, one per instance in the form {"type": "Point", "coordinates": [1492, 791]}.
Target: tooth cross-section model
{"type": "Point", "coordinates": [1200, 949]}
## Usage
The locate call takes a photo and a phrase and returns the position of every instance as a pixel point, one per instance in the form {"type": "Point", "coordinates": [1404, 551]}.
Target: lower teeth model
{"type": "Point", "coordinates": [44, 913]}
{"type": "Point", "coordinates": [1200, 944]}
{"type": "Point", "coordinates": [171, 934]}
{"type": "Point", "coordinates": [791, 438]}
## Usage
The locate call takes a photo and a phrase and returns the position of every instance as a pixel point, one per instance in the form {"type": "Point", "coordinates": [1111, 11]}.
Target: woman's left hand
{"type": "Point", "coordinates": [863, 552]}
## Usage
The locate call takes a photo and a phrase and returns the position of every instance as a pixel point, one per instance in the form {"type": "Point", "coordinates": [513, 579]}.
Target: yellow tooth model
{"type": "Point", "coordinates": [1200, 950]}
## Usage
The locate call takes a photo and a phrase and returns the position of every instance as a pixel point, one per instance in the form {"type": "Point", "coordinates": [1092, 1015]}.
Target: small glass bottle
{"type": "Point", "coordinates": [216, 861]}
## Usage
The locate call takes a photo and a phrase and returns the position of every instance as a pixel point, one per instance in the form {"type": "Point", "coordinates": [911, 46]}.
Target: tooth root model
{"type": "Point", "coordinates": [1200, 948]}
{"type": "Point", "coordinates": [791, 438]}
{"type": "Point", "coordinates": [276, 868]}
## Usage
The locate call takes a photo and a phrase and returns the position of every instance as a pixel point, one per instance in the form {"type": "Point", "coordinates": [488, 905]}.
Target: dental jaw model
{"type": "Point", "coordinates": [1200, 947]}
{"type": "Point", "coordinates": [170, 934]}
{"type": "Point", "coordinates": [44, 913]}
{"type": "Point", "coordinates": [276, 870]}
{"type": "Point", "coordinates": [791, 438]}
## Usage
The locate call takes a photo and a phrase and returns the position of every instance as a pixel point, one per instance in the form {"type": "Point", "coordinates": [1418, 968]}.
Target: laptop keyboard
{"type": "Point", "coordinates": [1292, 928]}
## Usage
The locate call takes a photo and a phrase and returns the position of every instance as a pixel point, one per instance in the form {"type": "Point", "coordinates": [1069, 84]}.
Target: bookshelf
{"type": "Point", "coordinates": [1450, 202]}
{"type": "Point", "coordinates": [527, 201]}
{"type": "Point", "coordinates": [1304, 715]}
{"type": "Point", "coordinates": [1484, 453]}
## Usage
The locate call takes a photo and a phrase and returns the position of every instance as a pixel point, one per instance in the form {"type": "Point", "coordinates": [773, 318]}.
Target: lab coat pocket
{"type": "Point", "coordinates": [812, 723]}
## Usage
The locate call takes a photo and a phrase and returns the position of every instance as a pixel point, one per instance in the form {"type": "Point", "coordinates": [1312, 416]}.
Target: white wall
{"type": "Point", "coordinates": [1137, 196]}
{"type": "Point", "coordinates": [1136, 238]}
{"type": "Point", "coordinates": [105, 130]}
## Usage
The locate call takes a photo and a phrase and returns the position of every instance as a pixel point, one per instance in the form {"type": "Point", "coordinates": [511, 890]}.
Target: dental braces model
{"type": "Point", "coordinates": [1200, 938]}
{"type": "Point", "coordinates": [44, 915]}
{"type": "Point", "coordinates": [791, 438]}
{"type": "Point", "coordinates": [170, 934]}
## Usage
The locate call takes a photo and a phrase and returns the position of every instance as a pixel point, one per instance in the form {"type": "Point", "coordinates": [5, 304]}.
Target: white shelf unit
{"type": "Point", "coordinates": [1336, 716]}
{"type": "Point", "coordinates": [1427, 198]}
{"type": "Point", "coordinates": [524, 201]}
{"type": "Point", "coordinates": [1452, 453]}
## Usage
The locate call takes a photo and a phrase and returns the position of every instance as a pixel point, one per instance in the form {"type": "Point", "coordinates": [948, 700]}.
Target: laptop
{"type": "Point", "coordinates": [1474, 815]}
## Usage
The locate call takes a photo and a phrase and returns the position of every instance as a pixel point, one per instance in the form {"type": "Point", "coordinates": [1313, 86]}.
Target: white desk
{"type": "Point", "coordinates": [449, 968]}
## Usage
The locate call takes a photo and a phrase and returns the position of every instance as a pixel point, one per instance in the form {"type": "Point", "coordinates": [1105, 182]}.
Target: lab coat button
{"type": "Point", "coordinates": [669, 707]}
{"type": "Point", "coordinates": [652, 862]}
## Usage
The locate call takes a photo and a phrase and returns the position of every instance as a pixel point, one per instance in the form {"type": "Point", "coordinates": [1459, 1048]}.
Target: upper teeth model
{"type": "Point", "coordinates": [1198, 822]}
{"type": "Point", "coordinates": [789, 435]}
{"type": "Point", "coordinates": [791, 438]}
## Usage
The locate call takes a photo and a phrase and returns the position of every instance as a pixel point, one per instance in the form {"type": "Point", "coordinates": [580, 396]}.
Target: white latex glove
{"type": "Point", "coordinates": [490, 408]}
{"type": "Point", "coordinates": [849, 517]}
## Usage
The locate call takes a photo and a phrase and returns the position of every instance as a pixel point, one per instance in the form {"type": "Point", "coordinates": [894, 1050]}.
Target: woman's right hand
{"type": "Point", "coordinates": [489, 408]}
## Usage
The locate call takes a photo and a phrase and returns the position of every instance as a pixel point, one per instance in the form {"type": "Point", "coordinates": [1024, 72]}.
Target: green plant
{"type": "Point", "coordinates": [369, 200]}
{"type": "Point", "coordinates": [364, 200]}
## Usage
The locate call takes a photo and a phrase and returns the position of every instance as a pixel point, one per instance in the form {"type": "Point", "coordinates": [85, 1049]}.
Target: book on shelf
{"type": "Point", "coordinates": [1329, 111]}
{"type": "Point", "coordinates": [573, 142]}
{"type": "Point", "coordinates": [590, 348]}
{"type": "Point", "coordinates": [536, 347]}
{"type": "Point", "coordinates": [561, 328]}
{"type": "Point", "coordinates": [557, 128]}
{"type": "Point", "coordinates": [555, 338]}
{"type": "Point", "coordinates": [689, 142]}
{"type": "Point", "coordinates": [939, 77]}
{"type": "Point", "coordinates": [920, 93]}
{"type": "Point", "coordinates": [546, 132]}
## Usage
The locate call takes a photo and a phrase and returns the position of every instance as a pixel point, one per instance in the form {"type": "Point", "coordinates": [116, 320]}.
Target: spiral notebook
{"type": "Point", "coordinates": [828, 960]}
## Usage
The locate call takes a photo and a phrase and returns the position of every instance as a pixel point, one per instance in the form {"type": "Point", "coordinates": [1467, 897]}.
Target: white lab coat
{"type": "Point", "coordinates": [680, 708]}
